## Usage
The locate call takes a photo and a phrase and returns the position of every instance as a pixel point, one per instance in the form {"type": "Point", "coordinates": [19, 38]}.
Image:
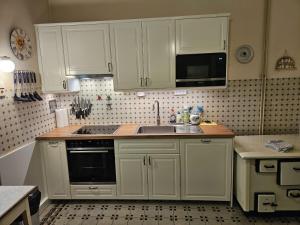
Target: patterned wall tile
{"type": "Point", "coordinates": [21, 123]}
{"type": "Point", "coordinates": [282, 106]}
{"type": "Point", "coordinates": [236, 106]}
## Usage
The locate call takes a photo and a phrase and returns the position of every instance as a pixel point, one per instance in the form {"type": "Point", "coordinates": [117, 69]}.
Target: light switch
{"type": "Point", "coordinates": [180, 92]}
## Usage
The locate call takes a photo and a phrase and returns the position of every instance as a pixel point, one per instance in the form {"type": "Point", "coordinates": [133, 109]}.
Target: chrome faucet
{"type": "Point", "coordinates": [157, 115]}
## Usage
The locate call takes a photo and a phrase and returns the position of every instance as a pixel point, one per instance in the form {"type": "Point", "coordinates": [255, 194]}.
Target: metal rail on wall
{"type": "Point", "coordinates": [264, 69]}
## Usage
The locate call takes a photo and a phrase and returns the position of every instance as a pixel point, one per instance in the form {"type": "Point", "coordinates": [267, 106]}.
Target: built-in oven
{"type": "Point", "coordinates": [201, 70]}
{"type": "Point", "coordinates": [91, 161]}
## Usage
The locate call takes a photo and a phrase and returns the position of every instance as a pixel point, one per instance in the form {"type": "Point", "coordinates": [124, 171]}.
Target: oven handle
{"type": "Point", "coordinates": [90, 149]}
{"type": "Point", "coordinates": [88, 152]}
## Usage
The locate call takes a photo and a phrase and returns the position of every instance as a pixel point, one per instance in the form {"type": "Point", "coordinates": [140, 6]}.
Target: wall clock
{"type": "Point", "coordinates": [244, 54]}
{"type": "Point", "coordinates": [20, 44]}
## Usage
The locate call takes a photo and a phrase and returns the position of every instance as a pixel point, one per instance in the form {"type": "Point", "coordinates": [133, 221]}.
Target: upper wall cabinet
{"type": "Point", "coordinates": [201, 35]}
{"type": "Point", "coordinates": [126, 46]}
{"type": "Point", "coordinates": [143, 54]}
{"type": "Point", "coordinates": [51, 59]}
{"type": "Point", "coordinates": [87, 49]}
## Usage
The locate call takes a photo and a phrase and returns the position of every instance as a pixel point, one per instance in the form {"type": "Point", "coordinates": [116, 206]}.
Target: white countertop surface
{"type": "Point", "coordinates": [11, 195]}
{"type": "Point", "coordinates": [253, 147]}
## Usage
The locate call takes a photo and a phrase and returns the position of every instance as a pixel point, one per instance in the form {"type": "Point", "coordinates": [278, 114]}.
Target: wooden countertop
{"type": "Point", "coordinates": [127, 131]}
{"type": "Point", "coordinates": [253, 147]}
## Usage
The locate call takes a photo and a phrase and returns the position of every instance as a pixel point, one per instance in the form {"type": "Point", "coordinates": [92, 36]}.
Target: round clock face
{"type": "Point", "coordinates": [20, 44]}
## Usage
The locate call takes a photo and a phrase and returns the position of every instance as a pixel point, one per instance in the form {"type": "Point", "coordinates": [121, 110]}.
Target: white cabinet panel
{"type": "Point", "coordinates": [131, 176]}
{"type": "Point", "coordinates": [159, 53]}
{"type": "Point", "coordinates": [56, 169]}
{"type": "Point", "coordinates": [164, 176]}
{"type": "Point", "coordinates": [126, 46]}
{"type": "Point", "coordinates": [201, 35]}
{"type": "Point", "coordinates": [206, 169]}
{"type": "Point", "coordinates": [51, 58]}
{"type": "Point", "coordinates": [93, 191]}
{"type": "Point", "coordinates": [87, 49]}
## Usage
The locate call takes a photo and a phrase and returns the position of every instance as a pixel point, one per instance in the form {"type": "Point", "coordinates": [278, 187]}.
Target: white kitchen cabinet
{"type": "Point", "coordinates": [206, 169]}
{"type": "Point", "coordinates": [87, 49]}
{"type": "Point", "coordinates": [126, 47]}
{"type": "Point", "coordinates": [159, 53]}
{"type": "Point", "coordinates": [201, 35]}
{"type": "Point", "coordinates": [56, 169]}
{"type": "Point", "coordinates": [146, 171]}
{"type": "Point", "coordinates": [164, 176]}
{"type": "Point", "coordinates": [131, 176]}
{"type": "Point", "coordinates": [143, 54]}
{"type": "Point", "coordinates": [51, 59]}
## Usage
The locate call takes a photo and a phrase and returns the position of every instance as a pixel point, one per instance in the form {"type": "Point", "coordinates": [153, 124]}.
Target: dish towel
{"type": "Point", "coordinates": [279, 145]}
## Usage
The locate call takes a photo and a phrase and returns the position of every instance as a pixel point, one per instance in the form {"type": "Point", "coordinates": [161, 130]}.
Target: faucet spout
{"type": "Point", "coordinates": [158, 114]}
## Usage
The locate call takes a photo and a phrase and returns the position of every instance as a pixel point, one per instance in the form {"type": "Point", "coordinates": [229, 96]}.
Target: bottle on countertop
{"type": "Point", "coordinates": [178, 117]}
{"type": "Point", "coordinates": [186, 115]}
{"type": "Point", "coordinates": [172, 118]}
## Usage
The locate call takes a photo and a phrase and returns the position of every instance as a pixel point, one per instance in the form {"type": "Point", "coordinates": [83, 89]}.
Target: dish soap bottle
{"type": "Point", "coordinates": [186, 115]}
{"type": "Point", "coordinates": [172, 116]}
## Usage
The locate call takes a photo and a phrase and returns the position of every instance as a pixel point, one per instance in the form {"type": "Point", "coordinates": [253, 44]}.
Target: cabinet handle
{"type": "Point", "coordinates": [53, 143]}
{"type": "Point", "coordinates": [149, 161]}
{"type": "Point", "coordinates": [269, 166]}
{"type": "Point", "coordinates": [93, 188]}
{"type": "Point", "coordinates": [109, 67]}
{"type": "Point", "coordinates": [64, 84]}
{"type": "Point", "coordinates": [296, 168]}
{"type": "Point", "coordinates": [142, 81]}
{"type": "Point", "coordinates": [295, 195]}
{"type": "Point", "coordinates": [146, 80]}
{"type": "Point", "coordinates": [205, 141]}
{"type": "Point", "coordinates": [144, 160]}
{"type": "Point", "coordinates": [224, 44]}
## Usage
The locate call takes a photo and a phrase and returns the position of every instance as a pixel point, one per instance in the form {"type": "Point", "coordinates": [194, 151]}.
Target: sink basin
{"type": "Point", "coordinates": [156, 129]}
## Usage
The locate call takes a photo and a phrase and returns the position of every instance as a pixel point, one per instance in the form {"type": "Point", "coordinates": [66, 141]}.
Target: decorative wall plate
{"type": "Point", "coordinates": [20, 44]}
{"type": "Point", "coordinates": [244, 54]}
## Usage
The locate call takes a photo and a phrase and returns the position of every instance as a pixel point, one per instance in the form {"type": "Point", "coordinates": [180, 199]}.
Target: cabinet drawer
{"type": "Point", "coordinates": [93, 191]}
{"type": "Point", "coordinates": [266, 166]}
{"type": "Point", "coordinates": [289, 173]}
{"type": "Point", "coordinates": [146, 146]}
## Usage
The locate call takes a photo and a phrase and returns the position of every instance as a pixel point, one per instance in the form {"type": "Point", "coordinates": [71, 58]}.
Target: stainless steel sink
{"type": "Point", "coordinates": [178, 129]}
{"type": "Point", "coordinates": [156, 129]}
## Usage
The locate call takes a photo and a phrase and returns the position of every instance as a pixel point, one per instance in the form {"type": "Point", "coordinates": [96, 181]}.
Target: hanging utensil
{"type": "Point", "coordinates": [16, 82]}
{"type": "Point", "coordinates": [29, 89]}
{"type": "Point", "coordinates": [35, 94]}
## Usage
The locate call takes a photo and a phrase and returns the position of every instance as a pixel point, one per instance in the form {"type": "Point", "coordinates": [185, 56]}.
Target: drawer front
{"type": "Point", "coordinates": [93, 191]}
{"type": "Point", "coordinates": [289, 173]}
{"type": "Point", "coordinates": [145, 146]}
{"type": "Point", "coordinates": [267, 166]}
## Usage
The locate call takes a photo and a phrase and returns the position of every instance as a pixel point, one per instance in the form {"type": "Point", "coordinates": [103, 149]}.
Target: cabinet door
{"type": "Point", "coordinates": [132, 176]}
{"type": "Point", "coordinates": [206, 169]}
{"type": "Point", "coordinates": [201, 35]}
{"type": "Point", "coordinates": [159, 53]}
{"type": "Point", "coordinates": [164, 176]}
{"type": "Point", "coordinates": [87, 49]}
{"type": "Point", "coordinates": [56, 170]}
{"type": "Point", "coordinates": [126, 46]}
{"type": "Point", "coordinates": [51, 59]}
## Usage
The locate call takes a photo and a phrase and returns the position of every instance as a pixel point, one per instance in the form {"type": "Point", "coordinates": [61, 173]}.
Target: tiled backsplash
{"type": "Point", "coordinates": [22, 122]}
{"type": "Point", "coordinates": [236, 107]}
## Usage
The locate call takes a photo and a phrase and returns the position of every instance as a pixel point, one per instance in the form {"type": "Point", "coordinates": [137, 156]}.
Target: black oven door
{"type": "Point", "coordinates": [207, 69]}
{"type": "Point", "coordinates": [91, 165]}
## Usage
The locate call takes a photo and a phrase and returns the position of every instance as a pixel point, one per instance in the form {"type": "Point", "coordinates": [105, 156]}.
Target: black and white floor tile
{"type": "Point", "coordinates": [154, 213]}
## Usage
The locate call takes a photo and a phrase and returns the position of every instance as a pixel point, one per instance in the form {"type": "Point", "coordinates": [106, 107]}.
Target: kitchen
{"type": "Point", "coordinates": [136, 78]}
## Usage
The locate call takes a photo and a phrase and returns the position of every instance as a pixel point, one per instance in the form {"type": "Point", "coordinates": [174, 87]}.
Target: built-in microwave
{"type": "Point", "coordinates": [201, 70]}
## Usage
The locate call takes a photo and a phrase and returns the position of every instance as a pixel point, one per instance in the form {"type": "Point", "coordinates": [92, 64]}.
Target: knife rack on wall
{"type": "Point", "coordinates": [81, 107]}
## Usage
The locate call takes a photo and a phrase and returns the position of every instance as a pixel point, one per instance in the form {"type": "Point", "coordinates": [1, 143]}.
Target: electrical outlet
{"type": "Point", "coordinates": [266, 203]}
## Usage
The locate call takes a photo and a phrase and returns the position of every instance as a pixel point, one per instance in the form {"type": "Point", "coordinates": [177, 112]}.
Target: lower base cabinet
{"type": "Point", "coordinates": [206, 169]}
{"type": "Point", "coordinates": [148, 176]}
{"type": "Point", "coordinates": [56, 169]}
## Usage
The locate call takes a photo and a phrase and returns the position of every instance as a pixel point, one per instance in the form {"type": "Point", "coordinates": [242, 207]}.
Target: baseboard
{"type": "Point", "coordinates": [44, 203]}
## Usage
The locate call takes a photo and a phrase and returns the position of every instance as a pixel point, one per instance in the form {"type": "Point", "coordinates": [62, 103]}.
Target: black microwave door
{"type": "Point", "coordinates": [200, 66]}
